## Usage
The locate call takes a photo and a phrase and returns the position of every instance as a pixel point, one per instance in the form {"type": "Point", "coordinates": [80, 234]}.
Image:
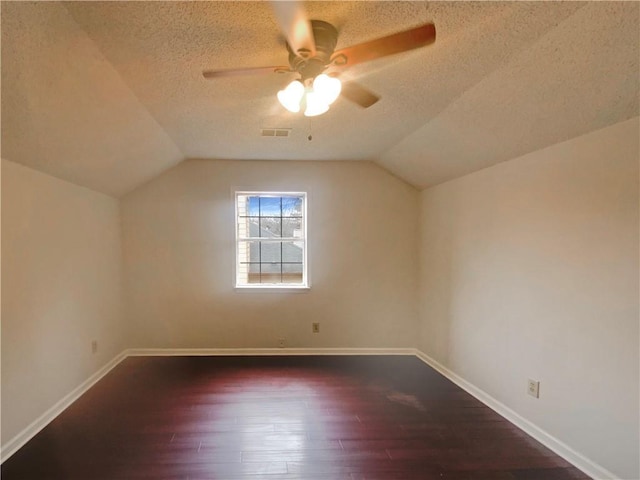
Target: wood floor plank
{"type": "Point", "coordinates": [281, 418]}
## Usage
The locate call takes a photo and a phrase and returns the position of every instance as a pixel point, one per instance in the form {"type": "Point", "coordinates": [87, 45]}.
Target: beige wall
{"type": "Point", "coordinates": [529, 269]}
{"type": "Point", "coordinates": [61, 288]}
{"type": "Point", "coordinates": [178, 233]}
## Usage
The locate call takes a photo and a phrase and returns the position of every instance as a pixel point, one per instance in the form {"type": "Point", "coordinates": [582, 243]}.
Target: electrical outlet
{"type": "Point", "coordinates": [534, 388]}
{"type": "Point", "coordinates": [281, 343]}
{"type": "Point", "coordinates": [94, 346]}
{"type": "Point", "coordinates": [315, 327]}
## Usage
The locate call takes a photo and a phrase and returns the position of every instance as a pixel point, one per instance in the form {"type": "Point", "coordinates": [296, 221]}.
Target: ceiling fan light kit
{"type": "Point", "coordinates": [328, 87]}
{"type": "Point", "coordinates": [316, 96]}
{"type": "Point", "coordinates": [291, 96]}
{"type": "Point", "coordinates": [311, 47]}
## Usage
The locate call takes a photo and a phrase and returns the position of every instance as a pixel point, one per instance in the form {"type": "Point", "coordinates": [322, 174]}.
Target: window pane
{"type": "Point", "coordinates": [253, 267]}
{"type": "Point", "coordinates": [291, 206]}
{"type": "Point", "coordinates": [257, 227]}
{"type": "Point", "coordinates": [270, 206]}
{"type": "Point", "coordinates": [292, 227]}
{"type": "Point", "coordinates": [292, 252]}
{"type": "Point", "coordinates": [292, 272]}
{"type": "Point", "coordinates": [271, 252]}
{"type": "Point", "coordinates": [254, 273]}
{"type": "Point", "coordinates": [270, 227]}
{"type": "Point", "coordinates": [249, 273]}
{"type": "Point", "coordinates": [253, 206]}
{"type": "Point", "coordinates": [292, 268]}
{"type": "Point", "coordinates": [248, 251]}
{"type": "Point", "coordinates": [248, 227]}
{"type": "Point", "coordinates": [271, 273]}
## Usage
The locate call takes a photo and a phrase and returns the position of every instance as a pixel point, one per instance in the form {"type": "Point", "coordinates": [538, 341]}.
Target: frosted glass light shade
{"type": "Point", "coordinates": [315, 105]}
{"type": "Point", "coordinates": [327, 87]}
{"type": "Point", "coordinates": [291, 96]}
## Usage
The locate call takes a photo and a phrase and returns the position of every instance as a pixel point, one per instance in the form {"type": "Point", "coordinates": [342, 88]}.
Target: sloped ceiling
{"type": "Point", "coordinates": [67, 112]}
{"type": "Point", "coordinates": [109, 94]}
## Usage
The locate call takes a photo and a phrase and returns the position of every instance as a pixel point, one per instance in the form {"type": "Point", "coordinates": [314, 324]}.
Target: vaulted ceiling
{"type": "Point", "coordinates": [110, 94]}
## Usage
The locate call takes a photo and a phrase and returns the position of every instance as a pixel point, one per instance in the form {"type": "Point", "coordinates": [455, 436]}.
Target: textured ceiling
{"type": "Point", "coordinates": [67, 112]}
{"type": "Point", "coordinates": [108, 94]}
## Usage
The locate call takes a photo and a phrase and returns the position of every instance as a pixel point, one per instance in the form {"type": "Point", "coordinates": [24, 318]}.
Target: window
{"type": "Point", "coordinates": [271, 243]}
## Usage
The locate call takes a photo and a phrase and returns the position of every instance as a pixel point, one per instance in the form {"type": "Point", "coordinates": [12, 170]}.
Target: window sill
{"type": "Point", "coordinates": [272, 289]}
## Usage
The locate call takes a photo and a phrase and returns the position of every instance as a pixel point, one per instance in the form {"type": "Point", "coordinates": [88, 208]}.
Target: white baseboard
{"type": "Point", "coordinates": [13, 445]}
{"type": "Point", "coordinates": [562, 449]}
{"type": "Point", "coordinates": [138, 352]}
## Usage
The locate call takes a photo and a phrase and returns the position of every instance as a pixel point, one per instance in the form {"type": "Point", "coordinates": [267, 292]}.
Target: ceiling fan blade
{"type": "Point", "coordinates": [358, 94]}
{"type": "Point", "coordinates": [390, 45]}
{"type": "Point", "coordinates": [243, 71]}
{"type": "Point", "coordinates": [295, 25]}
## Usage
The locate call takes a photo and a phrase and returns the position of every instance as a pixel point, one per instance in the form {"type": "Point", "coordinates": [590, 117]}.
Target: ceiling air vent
{"type": "Point", "coordinates": [275, 132]}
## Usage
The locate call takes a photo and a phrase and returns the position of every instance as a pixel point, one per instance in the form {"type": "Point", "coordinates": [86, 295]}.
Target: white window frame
{"type": "Point", "coordinates": [305, 285]}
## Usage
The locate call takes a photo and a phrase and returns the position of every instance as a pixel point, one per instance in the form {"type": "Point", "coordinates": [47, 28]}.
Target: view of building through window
{"type": "Point", "coordinates": [271, 238]}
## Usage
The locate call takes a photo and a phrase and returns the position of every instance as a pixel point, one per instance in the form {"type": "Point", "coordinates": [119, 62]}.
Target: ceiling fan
{"type": "Point", "coordinates": [311, 46]}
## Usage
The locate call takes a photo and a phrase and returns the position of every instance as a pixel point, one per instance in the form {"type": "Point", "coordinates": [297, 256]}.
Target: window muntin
{"type": "Point", "coordinates": [271, 239]}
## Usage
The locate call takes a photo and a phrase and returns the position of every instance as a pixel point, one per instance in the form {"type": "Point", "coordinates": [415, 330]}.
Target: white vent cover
{"type": "Point", "coordinates": [275, 132]}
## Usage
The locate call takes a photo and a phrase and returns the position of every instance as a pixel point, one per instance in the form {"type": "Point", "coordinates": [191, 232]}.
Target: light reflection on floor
{"type": "Point", "coordinates": [285, 421]}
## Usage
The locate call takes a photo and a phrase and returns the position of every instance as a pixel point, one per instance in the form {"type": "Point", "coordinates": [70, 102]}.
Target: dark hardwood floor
{"type": "Point", "coordinates": [276, 418]}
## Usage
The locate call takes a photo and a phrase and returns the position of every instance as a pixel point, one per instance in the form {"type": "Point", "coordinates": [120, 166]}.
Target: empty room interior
{"type": "Point", "coordinates": [320, 240]}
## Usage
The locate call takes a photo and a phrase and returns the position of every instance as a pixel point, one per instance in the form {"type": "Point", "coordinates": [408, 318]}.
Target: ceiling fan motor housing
{"type": "Point", "coordinates": [326, 37]}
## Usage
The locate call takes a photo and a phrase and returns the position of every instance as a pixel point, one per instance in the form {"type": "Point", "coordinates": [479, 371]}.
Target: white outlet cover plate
{"type": "Point", "coordinates": [534, 388]}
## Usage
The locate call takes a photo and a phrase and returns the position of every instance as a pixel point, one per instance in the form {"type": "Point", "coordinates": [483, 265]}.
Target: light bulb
{"type": "Point", "coordinates": [315, 104]}
{"type": "Point", "coordinates": [327, 87]}
{"type": "Point", "coordinates": [291, 96]}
